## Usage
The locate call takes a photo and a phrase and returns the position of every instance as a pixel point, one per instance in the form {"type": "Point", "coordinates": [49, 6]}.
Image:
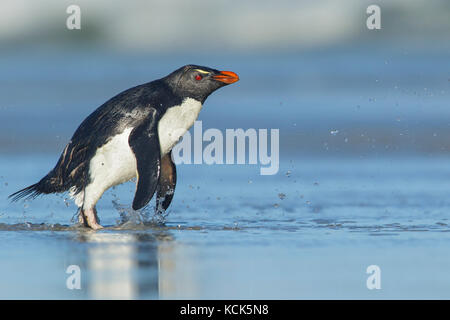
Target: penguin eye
{"type": "Point", "coordinates": [198, 77]}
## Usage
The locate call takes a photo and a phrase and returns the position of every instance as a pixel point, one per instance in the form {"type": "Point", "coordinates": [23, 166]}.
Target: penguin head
{"type": "Point", "coordinates": [197, 82]}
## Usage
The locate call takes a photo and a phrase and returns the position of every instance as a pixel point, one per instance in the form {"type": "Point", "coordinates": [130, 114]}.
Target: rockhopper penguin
{"type": "Point", "coordinates": [131, 135]}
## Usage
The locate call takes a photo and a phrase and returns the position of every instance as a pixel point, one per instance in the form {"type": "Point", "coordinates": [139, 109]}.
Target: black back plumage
{"type": "Point", "coordinates": [127, 109]}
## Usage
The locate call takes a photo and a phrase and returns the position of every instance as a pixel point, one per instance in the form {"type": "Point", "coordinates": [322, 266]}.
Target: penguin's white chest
{"type": "Point", "coordinates": [114, 162]}
{"type": "Point", "coordinates": [175, 122]}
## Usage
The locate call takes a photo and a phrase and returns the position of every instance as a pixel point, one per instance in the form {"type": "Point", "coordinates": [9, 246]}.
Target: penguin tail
{"type": "Point", "coordinates": [49, 184]}
{"type": "Point", "coordinates": [30, 192]}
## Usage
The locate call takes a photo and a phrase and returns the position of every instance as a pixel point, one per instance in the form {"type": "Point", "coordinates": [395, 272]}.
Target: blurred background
{"type": "Point", "coordinates": [310, 68]}
{"type": "Point", "coordinates": [364, 124]}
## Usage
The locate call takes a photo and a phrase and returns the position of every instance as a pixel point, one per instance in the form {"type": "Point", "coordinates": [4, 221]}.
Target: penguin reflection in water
{"type": "Point", "coordinates": [131, 136]}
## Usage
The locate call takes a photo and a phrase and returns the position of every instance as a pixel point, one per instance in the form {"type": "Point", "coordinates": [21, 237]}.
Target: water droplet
{"type": "Point", "coordinates": [66, 202]}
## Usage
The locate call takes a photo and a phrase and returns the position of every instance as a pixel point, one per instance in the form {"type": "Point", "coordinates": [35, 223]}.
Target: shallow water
{"type": "Point", "coordinates": [309, 232]}
{"type": "Point", "coordinates": [363, 180]}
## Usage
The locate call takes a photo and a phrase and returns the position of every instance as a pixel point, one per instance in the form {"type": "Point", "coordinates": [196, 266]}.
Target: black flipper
{"type": "Point", "coordinates": [144, 142]}
{"type": "Point", "coordinates": [167, 182]}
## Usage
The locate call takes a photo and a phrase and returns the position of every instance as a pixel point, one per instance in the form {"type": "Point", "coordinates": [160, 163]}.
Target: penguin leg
{"type": "Point", "coordinates": [166, 185]}
{"type": "Point", "coordinates": [92, 193]}
{"type": "Point", "coordinates": [81, 219]}
{"type": "Point", "coordinates": [90, 218]}
{"type": "Point", "coordinates": [88, 213]}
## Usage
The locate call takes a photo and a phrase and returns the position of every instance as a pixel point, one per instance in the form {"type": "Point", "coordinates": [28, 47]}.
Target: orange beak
{"type": "Point", "coordinates": [226, 77]}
